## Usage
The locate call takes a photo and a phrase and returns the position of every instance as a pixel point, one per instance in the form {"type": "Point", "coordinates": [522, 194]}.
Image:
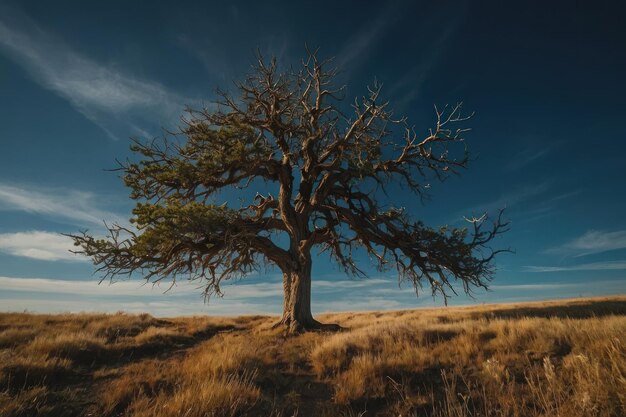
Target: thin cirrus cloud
{"type": "Point", "coordinates": [410, 85]}
{"type": "Point", "coordinates": [526, 157]}
{"type": "Point", "coordinates": [108, 97]}
{"type": "Point", "coordinates": [37, 244]}
{"type": "Point", "coordinates": [362, 42]}
{"type": "Point", "coordinates": [592, 242]}
{"type": "Point", "coordinates": [42, 294]}
{"type": "Point", "coordinates": [529, 202]}
{"type": "Point", "coordinates": [77, 207]}
{"type": "Point", "coordinates": [593, 266]}
{"type": "Point", "coordinates": [53, 295]}
{"type": "Point", "coordinates": [507, 200]}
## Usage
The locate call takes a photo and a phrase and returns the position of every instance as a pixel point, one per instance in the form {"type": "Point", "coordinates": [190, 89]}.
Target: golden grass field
{"type": "Point", "coordinates": [565, 358]}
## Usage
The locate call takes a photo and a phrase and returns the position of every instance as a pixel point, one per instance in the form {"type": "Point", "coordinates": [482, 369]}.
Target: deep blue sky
{"type": "Point", "coordinates": [546, 83]}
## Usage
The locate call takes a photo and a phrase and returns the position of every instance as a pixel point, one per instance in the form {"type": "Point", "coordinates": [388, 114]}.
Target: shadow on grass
{"type": "Point", "coordinates": [161, 346]}
{"type": "Point", "coordinates": [577, 310]}
{"type": "Point", "coordinates": [19, 377]}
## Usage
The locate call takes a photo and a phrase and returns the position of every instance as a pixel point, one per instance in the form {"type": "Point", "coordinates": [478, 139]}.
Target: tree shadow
{"type": "Point", "coordinates": [164, 346]}
{"type": "Point", "coordinates": [576, 310]}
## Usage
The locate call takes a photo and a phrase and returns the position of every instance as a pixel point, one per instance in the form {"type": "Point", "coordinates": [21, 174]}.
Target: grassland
{"type": "Point", "coordinates": [564, 358]}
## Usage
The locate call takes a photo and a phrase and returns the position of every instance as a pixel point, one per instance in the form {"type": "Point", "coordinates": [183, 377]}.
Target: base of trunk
{"type": "Point", "coordinates": [300, 326]}
{"type": "Point", "coordinates": [297, 317]}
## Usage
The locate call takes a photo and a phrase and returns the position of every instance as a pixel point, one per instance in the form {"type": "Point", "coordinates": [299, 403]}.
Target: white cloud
{"type": "Point", "coordinates": [368, 304]}
{"type": "Point", "coordinates": [92, 287]}
{"type": "Point", "coordinates": [349, 283]}
{"type": "Point", "coordinates": [156, 308]}
{"type": "Point", "coordinates": [244, 291]}
{"type": "Point", "coordinates": [536, 287]}
{"type": "Point", "coordinates": [103, 94]}
{"type": "Point", "coordinates": [74, 205]}
{"type": "Point", "coordinates": [594, 266]}
{"type": "Point", "coordinates": [138, 287]}
{"type": "Point", "coordinates": [38, 245]}
{"type": "Point", "coordinates": [506, 200]}
{"type": "Point", "coordinates": [53, 295]}
{"type": "Point", "coordinates": [592, 242]}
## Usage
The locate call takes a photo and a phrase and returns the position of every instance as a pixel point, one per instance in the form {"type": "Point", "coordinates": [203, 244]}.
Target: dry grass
{"type": "Point", "coordinates": [544, 359]}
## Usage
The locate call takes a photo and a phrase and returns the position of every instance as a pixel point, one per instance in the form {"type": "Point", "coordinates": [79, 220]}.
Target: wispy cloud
{"type": "Point", "coordinates": [92, 287]}
{"type": "Point", "coordinates": [527, 157]}
{"type": "Point", "coordinates": [55, 295]}
{"type": "Point", "coordinates": [592, 242]}
{"type": "Point", "coordinates": [532, 287]}
{"type": "Point", "coordinates": [360, 43]}
{"type": "Point", "coordinates": [563, 289]}
{"type": "Point", "coordinates": [79, 207]}
{"type": "Point", "coordinates": [530, 202]}
{"type": "Point", "coordinates": [545, 207]}
{"type": "Point", "coordinates": [349, 283]}
{"type": "Point", "coordinates": [409, 86]}
{"type": "Point", "coordinates": [506, 200]}
{"type": "Point", "coordinates": [594, 266]}
{"type": "Point", "coordinates": [209, 53]}
{"type": "Point", "coordinates": [235, 290]}
{"type": "Point", "coordinates": [371, 303]}
{"type": "Point", "coordinates": [104, 94]}
{"type": "Point", "coordinates": [50, 295]}
{"type": "Point", "coordinates": [254, 297]}
{"type": "Point", "coordinates": [365, 38]}
{"type": "Point", "coordinates": [38, 244]}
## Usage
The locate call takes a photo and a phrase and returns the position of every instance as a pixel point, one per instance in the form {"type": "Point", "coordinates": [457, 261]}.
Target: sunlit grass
{"type": "Point", "coordinates": [528, 360]}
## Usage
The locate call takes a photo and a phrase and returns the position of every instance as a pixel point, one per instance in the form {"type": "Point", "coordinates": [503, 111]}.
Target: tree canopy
{"type": "Point", "coordinates": [333, 169]}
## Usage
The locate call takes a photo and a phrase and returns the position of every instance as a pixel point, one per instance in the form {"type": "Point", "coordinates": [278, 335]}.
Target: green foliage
{"type": "Point", "coordinates": [165, 226]}
{"type": "Point", "coordinates": [209, 158]}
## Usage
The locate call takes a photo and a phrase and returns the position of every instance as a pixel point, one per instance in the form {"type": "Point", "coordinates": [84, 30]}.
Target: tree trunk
{"type": "Point", "coordinates": [297, 315]}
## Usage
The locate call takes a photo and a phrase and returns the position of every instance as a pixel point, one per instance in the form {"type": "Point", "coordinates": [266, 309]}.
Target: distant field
{"type": "Point", "coordinates": [565, 358]}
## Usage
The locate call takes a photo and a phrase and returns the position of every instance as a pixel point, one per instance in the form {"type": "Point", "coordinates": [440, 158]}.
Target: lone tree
{"type": "Point", "coordinates": [330, 171]}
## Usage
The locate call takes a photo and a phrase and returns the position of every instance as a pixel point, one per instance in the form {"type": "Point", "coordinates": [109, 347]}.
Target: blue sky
{"type": "Point", "coordinates": [545, 81]}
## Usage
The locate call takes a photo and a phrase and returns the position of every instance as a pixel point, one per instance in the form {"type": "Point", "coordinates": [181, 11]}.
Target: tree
{"type": "Point", "coordinates": [331, 173]}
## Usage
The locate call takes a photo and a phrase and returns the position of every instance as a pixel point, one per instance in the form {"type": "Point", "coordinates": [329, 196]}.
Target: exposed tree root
{"type": "Point", "coordinates": [294, 327]}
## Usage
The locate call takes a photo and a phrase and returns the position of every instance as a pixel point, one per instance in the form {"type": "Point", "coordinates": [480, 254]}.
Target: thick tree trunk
{"type": "Point", "coordinates": [297, 315]}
